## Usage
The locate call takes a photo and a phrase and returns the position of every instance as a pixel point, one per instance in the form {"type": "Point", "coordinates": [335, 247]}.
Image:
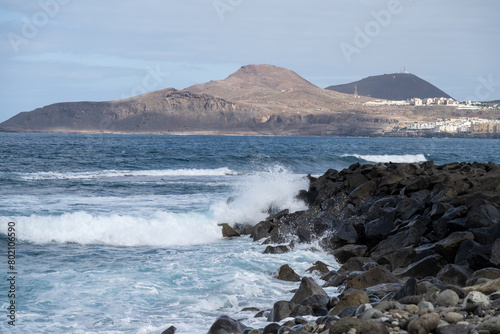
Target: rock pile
{"type": "Point", "coordinates": [419, 246]}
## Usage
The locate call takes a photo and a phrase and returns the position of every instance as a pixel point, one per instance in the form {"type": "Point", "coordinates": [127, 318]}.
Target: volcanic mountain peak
{"type": "Point", "coordinates": [269, 76]}
{"type": "Point", "coordinates": [395, 86]}
{"type": "Point", "coordinates": [257, 77]}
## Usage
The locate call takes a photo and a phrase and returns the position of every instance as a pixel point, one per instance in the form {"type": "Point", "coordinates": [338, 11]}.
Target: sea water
{"type": "Point", "coordinates": [119, 233]}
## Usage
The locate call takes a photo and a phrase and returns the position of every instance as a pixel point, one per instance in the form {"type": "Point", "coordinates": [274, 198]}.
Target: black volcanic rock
{"type": "Point", "coordinates": [395, 86]}
{"type": "Point", "coordinates": [415, 225]}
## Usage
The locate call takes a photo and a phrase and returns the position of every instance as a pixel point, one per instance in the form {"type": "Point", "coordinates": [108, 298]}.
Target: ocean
{"type": "Point", "coordinates": [119, 233]}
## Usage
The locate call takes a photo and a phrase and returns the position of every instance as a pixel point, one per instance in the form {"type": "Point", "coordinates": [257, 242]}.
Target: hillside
{"type": "Point", "coordinates": [275, 89]}
{"type": "Point", "coordinates": [395, 86]}
{"type": "Point", "coordinates": [255, 100]}
{"type": "Point", "coordinates": [162, 111]}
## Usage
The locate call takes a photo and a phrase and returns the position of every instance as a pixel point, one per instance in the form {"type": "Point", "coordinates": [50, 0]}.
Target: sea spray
{"type": "Point", "coordinates": [253, 195]}
{"type": "Point", "coordinates": [261, 193]}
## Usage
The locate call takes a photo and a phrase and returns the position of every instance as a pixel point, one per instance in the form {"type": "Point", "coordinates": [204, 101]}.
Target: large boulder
{"type": "Point", "coordinates": [454, 274]}
{"type": "Point", "coordinates": [286, 273]}
{"type": "Point", "coordinates": [363, 192]}
{"type": "Point", "coordinates": [408, 289]}
{"type": "Point", "coordinates": [448, 222]}
{"type": "Point", "coordinates": [408, 237]}
{"type": "Point", "coordinates": [483, 216]}
{"type": "Point", "coordinates": [482, 274]}
{"type": "Point", "coordinates": [284, 309]}
{"type": "Point", "coordinates": [262, 230]}
{"type": "Point", "coordinates": [447, 298]}
{"type": "Point", "coordinates": [306, 289]}
{"type": "Point", "coordinates": [374, 276]}
{"type": "Point", "coordinates": [492, 325]}
{"type": "Point", "coordinates": [346, 252]}
{"type": "Point", "coordinates": [428, 266]}
{"type": "Point", "coordinates": [474, 300]}
{"type": "Point", "coordinates": [170, 330]}
{"type": "Point", "coordinates": [495, 253]}
{"type": "Point", "coordinates": [424, 324]}
{"type": "Point", "coordinates": [344, 325]}
{"type": "Point", "coordinates": [356, 264]}
{"type": "Point", "coordinates": [316, 301]}
{"type": "Point", "coordinates": [453, 329]}
{"type": "Point", "coordinates": [226, 325]}
{"type": "Point", "coordinates": [343, 232]}
{"type": "Point", "coordinates": [488, 287]}
{"type": "Point", "coordinates": [319, 267]}
{"type": "Point", "coordinates": [448, 247]}
{"type": "Point", "coordinates": [378, 229]}
{"type": "Point", "coordinates": [400, 258]}
{"type": "Point", "coordinates": [228, 231]}
{"type": "Point", "coordinates": [354, 298]}
{"type": "Point", "coordinates": [280, 249]}
{"type": "Point", "coordinates": [479, 257]}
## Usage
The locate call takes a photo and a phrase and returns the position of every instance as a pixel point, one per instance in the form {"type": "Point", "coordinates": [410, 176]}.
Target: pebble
{"type": "Point", "coordinates": [453, 317]}
{"type": "Point", "coordinates": [447, 298]}
{"type": "Point", "coordinates": [371, 314]}
{"type": "Point", "coordinates": [412, 308]}
{"type": "Point", "coordinates": [425, 306]}
{"type": "Point", "coordinates": [474, 300]}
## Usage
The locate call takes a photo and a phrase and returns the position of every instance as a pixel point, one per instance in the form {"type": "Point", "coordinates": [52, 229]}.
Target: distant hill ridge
{"type": "Point", "coordinates": [255, 100]}
{"type": "Point", "coordinates": [395, 86]}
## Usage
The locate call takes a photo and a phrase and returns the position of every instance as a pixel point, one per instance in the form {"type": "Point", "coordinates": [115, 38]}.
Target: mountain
{"type": "Point", "coordinates": [395, 86]}
{"type": "Point", "coordinates": [255, 100]}
{"type": "Point", "coordinates": [274, 89]}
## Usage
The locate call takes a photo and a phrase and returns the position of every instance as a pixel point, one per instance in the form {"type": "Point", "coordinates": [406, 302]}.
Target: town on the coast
{"type": "Point", "coordinates": [459, 125]}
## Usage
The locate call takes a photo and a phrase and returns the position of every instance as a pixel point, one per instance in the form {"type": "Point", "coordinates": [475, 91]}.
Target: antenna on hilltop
{"type": "Point", "coordinates": [404, 70]}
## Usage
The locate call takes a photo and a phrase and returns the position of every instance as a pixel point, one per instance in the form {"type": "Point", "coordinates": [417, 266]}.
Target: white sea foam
{"type": "Point", "coordinates": [127, 173]}
{"type": "Point", "coordinates": [161, 229]}
{"type": "Point", "coordinates": [148, 224]}
{"type": "Point", "coordinates": [276, 188]}
{"type": "Point", "coordinates": [408, 158]}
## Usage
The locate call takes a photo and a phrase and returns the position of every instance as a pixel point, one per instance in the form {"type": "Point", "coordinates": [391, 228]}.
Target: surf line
{"type": "Point", "coordinates": [11, 274]}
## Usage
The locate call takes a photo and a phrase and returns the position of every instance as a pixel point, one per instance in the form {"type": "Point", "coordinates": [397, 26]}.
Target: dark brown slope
{"type": "Point", "coordinates": [396, 86]}
{"type": "Point", "coordinates": [162, 111]}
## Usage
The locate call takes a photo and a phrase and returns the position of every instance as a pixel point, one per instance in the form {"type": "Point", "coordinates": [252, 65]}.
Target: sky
{"type": "Point", "coordinates": [87, 50]}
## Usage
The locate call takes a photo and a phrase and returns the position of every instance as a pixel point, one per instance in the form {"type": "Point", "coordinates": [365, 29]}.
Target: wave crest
{"type": "Point", "coordinates": [127, 173]}
{"type": "Point", "coordinates": [404, 158]}
{"type": "Point", "coordinates": [161, 229]}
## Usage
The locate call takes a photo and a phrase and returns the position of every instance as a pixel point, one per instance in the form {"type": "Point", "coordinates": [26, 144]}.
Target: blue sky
{"type": "Point", "coordinates": [75, 50]}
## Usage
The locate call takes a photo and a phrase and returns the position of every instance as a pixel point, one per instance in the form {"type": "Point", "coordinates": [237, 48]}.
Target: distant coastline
{"type": "Point", "coordinates": [268, 100]}
{"type": "Point", "coordinates": [257, 134]}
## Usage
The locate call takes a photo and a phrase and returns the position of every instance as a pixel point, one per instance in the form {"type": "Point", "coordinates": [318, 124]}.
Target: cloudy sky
{"type": "Point", "coordinates": [88, 50]}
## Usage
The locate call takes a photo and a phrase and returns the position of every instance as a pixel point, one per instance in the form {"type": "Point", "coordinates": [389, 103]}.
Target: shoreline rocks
{"type": "Point", "coordinates": [418, 244]}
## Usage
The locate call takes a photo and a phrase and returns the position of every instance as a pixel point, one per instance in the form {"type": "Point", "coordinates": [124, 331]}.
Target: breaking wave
{"type": "Point", "coordinates": [127, 173]}
{"type": "Point", "coordinates": [405, 158]}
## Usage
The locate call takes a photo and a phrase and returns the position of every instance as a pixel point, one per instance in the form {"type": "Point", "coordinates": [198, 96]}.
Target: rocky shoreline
{"type": "Point", "coordinates": [418, 244]}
